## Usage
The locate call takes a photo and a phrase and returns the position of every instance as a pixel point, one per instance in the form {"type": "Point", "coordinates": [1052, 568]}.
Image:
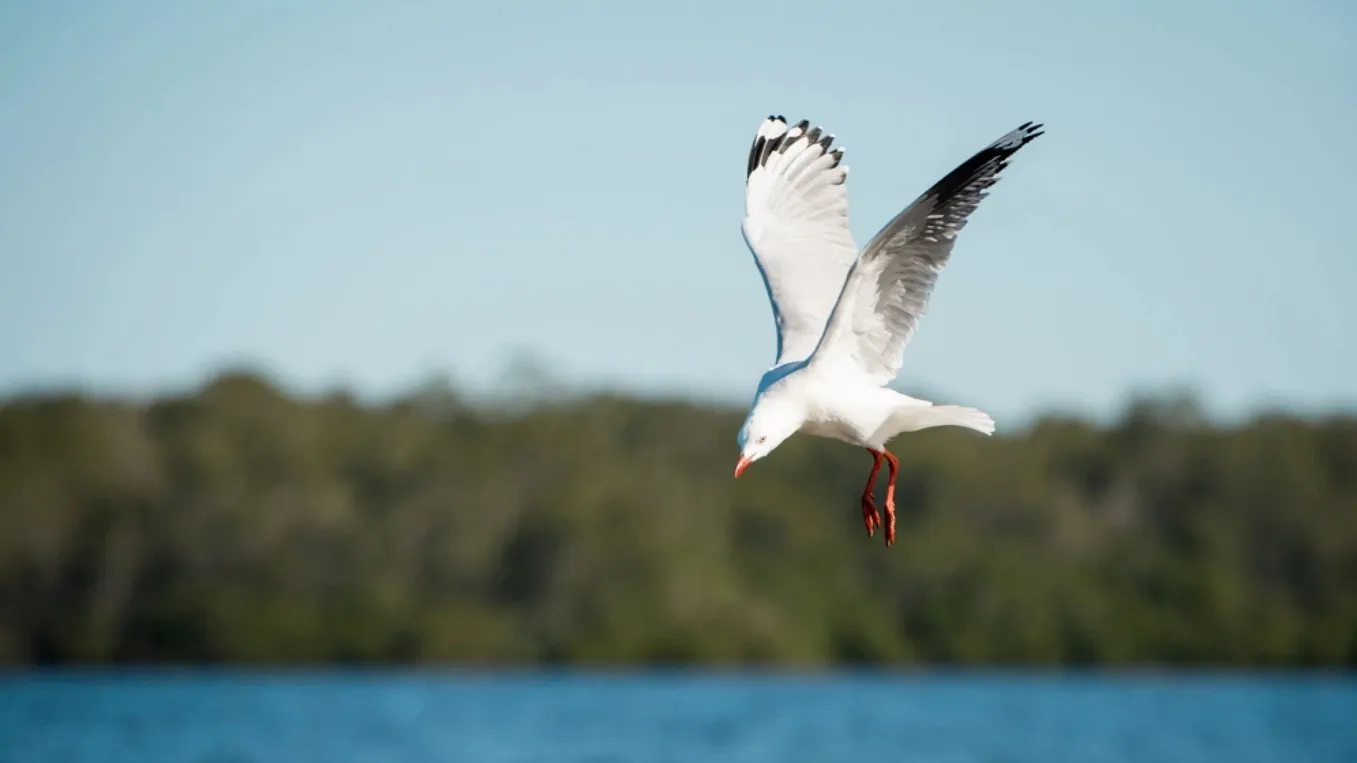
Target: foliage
{"type": "Point", "coordinates": [239, 524]}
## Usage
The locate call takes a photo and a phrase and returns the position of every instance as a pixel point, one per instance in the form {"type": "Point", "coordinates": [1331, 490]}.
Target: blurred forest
{"type": "Point", "coordinates": [242, 524]}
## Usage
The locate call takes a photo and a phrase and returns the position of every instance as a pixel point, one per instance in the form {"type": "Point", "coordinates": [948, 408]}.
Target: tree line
{"type": "Point", "coordinates": [241, 524]}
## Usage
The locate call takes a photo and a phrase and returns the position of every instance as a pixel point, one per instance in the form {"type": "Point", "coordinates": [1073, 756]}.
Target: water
{"type": "Point", "coordinates": [636, 718]}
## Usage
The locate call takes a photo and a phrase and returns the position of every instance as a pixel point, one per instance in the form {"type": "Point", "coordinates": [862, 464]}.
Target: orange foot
{"type": "Point", "coordinates": [870, 517]}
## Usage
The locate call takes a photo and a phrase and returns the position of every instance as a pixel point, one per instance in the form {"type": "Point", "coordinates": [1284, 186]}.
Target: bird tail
{"type": "Point", "coordinates": [926, 417]}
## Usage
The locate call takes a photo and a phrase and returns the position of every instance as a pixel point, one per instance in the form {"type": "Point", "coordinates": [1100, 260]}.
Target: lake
{"type": "Point", "coordinates": [243, 717]}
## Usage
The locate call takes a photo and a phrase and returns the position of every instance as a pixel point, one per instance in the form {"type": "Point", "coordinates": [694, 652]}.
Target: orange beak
{"type": "Point", "coordinates": [742, 465]}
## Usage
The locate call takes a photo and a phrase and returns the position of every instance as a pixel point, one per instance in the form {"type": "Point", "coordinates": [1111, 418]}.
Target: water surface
{"type": "Point", "coordinates": [234, 717]}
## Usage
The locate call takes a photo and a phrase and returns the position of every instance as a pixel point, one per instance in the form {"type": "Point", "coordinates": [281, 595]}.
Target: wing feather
{"type": "Point", "coordinates": [890, 285]}
{"type": "Point", "coordinates": [796, 226]}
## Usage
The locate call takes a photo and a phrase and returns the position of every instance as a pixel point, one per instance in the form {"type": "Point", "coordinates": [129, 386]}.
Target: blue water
{"type": "Point", "coordinates": [634, 718]}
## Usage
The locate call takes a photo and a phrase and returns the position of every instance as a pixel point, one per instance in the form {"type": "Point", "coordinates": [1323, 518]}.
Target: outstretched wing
{"type": "Point", "coordinates": [888, 289]}
{"type": "Point", "coordinates": [796, 225]}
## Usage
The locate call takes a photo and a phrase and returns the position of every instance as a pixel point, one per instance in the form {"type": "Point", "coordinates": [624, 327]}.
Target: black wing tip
{"type": "Point", "coordinates": [1003, 149]}
{"type": "Point", "coordinates": [754, 152]}
{"type": "Point", "coordinates": [978, 173]}
{"type": "Point", "coordinates": [1027, 132]}
{"type": "Point", "coordinates": [765, 146]}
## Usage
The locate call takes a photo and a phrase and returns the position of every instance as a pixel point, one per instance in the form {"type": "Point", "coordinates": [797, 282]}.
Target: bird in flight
{"type": "Point", "coordinates": [844, 316]}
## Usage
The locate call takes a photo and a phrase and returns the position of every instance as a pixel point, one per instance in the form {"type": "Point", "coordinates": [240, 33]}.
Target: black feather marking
{"type": "Point", "coordinates": [981, 170]}
{"type": "Point", "coordinates": [803, 125]}
{"type": "Point", "coordinates": [763, 147]}
{"type": "Point", "coordinates": [755, 152]}
{"type": "Point", "coordinates": [773, 145]}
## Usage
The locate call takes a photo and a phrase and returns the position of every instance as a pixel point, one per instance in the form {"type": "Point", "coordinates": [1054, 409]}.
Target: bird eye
{"type": "Point", "coordinates": [761, 439]}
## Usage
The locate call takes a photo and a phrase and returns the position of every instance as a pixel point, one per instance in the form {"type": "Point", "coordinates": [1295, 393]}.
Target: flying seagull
{"type": "Point", "coordinates": [844, 316]}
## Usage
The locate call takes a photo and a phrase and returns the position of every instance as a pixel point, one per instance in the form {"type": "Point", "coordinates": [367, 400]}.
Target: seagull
{"type": "Point", "coordinates": [843, 316]}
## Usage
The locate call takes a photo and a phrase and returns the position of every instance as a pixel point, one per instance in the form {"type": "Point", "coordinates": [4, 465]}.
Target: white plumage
{"type": "Point", "coordinates": [844, 316]}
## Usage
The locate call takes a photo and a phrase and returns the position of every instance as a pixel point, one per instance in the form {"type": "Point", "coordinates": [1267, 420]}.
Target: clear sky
{"type": "Point", "coordinates": [364, 194]}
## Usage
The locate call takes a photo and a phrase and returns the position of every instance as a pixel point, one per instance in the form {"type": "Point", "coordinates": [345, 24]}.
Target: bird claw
{"type": "Point", "coordinates": [870, 518]}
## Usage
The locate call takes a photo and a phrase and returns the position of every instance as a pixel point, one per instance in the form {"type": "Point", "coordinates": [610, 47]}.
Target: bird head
{"type": "Point", "coordinates": [768, 424]}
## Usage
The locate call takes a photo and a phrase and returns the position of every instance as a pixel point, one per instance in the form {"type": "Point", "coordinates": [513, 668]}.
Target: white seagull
{"type": "Point", "coordinates": [843, 317]}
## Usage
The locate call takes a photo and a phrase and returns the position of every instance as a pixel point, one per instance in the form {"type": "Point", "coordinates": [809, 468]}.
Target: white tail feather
{"type": "Point", "coordinates": [925, 417]}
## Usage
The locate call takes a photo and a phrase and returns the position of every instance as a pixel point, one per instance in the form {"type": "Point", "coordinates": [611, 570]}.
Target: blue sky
{"type": "Point", "coordinates": [365, 194]}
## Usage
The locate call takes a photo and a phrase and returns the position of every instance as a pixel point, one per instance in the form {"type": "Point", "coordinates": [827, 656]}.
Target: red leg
{"type": "Point", "coordinates": [894, 464]}
{"type": "Point", "coordinates": [870, 517]}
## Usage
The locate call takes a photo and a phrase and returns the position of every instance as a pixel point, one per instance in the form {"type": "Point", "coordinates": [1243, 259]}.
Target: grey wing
{"type": "Point", "coordinates": [888, 290]}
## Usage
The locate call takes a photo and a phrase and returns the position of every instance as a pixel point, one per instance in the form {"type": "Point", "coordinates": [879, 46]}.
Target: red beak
{"type": "Point", "coordinates": [744, 464]}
